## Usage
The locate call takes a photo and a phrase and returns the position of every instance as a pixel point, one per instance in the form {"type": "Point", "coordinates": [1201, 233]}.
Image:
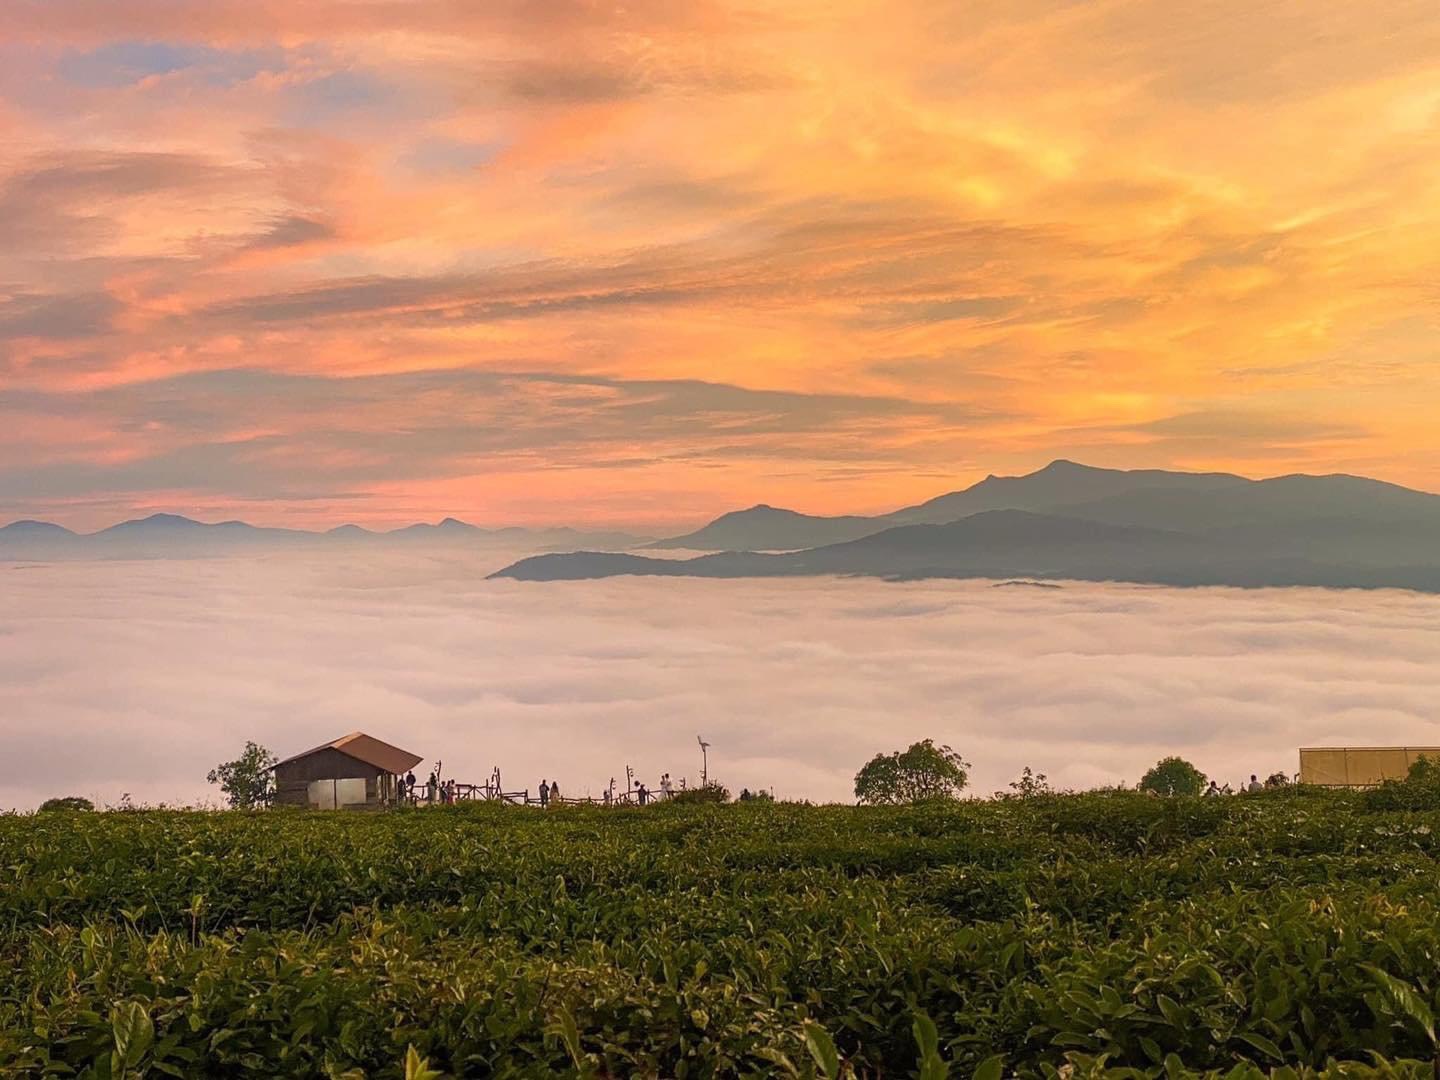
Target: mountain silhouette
{"type": "Point", "coordinates": [1057, 485]}
{"type": "Point", "coordinates": [1001, 543]}
{"type": "Point", "coordinates": [762, 528]}
{"type": "Point", "coordinates": [174, 536]}
{"type": "Point", "coordinates": [1061, 483]}
{"type": "Point", "coordinates": [35, 530]}
{"type": "Point", "coordinates": [1073, 521]}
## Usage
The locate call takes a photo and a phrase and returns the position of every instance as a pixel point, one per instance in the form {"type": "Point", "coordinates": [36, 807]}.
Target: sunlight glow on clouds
{"type": "Point", "coordinates": [138, 677]}
{"type": "Point", "coordinates": [1130, 232]}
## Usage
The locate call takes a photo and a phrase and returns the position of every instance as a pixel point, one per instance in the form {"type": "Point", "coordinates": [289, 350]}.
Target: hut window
{"type": "Point", "coordinates": [336, 794]}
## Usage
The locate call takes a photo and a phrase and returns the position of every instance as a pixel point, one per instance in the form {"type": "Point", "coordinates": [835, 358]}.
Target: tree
{"type": "Point", "coordinates": [925, 771]}
{"type": "Point", "coordinates": [247, 781]}
{"type": "Point", "coordinates": [1028, 786]}
{"type": "Point", "coordinates": [1174, 776]}
{"type": "Point", "coordinates": [68, 802]}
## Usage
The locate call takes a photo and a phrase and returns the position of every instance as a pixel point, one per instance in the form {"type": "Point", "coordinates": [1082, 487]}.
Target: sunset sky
{"type": "Point", "coordinates": [316, 261]}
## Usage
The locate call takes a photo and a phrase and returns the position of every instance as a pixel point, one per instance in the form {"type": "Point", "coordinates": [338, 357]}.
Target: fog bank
{"type": "Point", "coordinates": [139, 676]}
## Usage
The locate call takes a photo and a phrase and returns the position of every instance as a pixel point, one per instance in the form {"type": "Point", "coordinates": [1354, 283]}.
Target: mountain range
{"type": "Point", "coordinates": [172, 536]}
{"type": "Point", "coordinates": [1074, 521]}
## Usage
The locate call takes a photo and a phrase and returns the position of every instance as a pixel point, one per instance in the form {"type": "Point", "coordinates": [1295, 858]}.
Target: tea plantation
{"type": "Point", "coordinates": [1279, 934]}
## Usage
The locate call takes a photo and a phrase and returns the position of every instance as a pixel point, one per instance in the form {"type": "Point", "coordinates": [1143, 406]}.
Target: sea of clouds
{"type": "Point", "coordinates": [137, 677]}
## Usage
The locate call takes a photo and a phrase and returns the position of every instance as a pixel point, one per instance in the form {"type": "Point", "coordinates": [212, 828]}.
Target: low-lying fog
{"type": "Point", "coordinates": [139, 676]}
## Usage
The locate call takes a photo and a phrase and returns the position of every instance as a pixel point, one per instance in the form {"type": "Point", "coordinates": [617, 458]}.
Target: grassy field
{"type": "Point", "coordinates": [1067, 934]}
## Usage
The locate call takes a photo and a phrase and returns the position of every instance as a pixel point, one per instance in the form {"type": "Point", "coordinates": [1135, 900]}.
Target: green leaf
{"type": "Point", "coordinates": [569, 1033]}
{"type": "Point", "coordinates": [134, 1031]}
{"type": "Point", "coordinates": [992, 1068]}
{"type": "Point", "coordinates": [1261, 1043]}
{"type": "Point", "coordinates": [1173, 1013]}
{"type": "Point", "coordinates": [822, 1049]}
{"type": "Point", "coordinates": [1152, 1049]}
{"type": "Point", "coordinates": [927, 1038]}
{"type": "Point", "coordinates": [417, 1067]}
{"type": "Point", "coordinates": [1403, 995]}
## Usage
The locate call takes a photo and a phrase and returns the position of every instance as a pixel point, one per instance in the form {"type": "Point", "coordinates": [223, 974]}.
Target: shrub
{"type": "Point", "coordinates": [712, 792]}
{"type": "Point", "coordinates": [1420, 790]}
{"type": "Point", "coordinates": [1029, 786]}
{"type": "Point", "coordinates": [67, 802]}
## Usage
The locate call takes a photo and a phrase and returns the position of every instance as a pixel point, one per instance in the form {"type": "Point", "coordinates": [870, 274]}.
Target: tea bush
{"type": "Point", "coordinates": [1287, 934]}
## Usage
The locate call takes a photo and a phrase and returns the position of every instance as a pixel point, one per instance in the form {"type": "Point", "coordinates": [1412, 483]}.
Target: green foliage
{"type": "Point", "coordinates": [1420, 790]}
{"type": "Point", "coordinates": [1402, 1001]}
{"type": "Point", "coordinates": [1097, 935]}
{"type": "Point", "coordinates": [248, 782]}
{"type": "Point", "coordinates": [67, 802]}
{"type": "Point", "coordinates": [712, 792]}
{"type": "Point", "coordinates": [134, 1033]}
{"type": "Point", "coordinates": [1173, 776]}
{"type": "Point", "coordinates": [921, 773]}
{"type": "Point", "coordinates": [1031, 785]}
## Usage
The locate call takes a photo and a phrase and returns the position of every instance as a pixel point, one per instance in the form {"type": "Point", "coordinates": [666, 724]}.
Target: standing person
{"type": "Point", "coordinates": [642, 795]}
{"type": "Point", "coordinates": [1212, 790]}
{"type": "Point", "coordinates": [555, 791]}
{"type": "Point", "coordinates": [667, 789]}
{"type": "Point", "coordinates": [1255, 784]}
{"type": "Point", "coordinates": [410, 784]}
{"type": "Point", "coordinates": [432, 788]}
{"type": "Point", "coordinates": [544, 794]}
{"type": "Point", "coordinates": [606, 798]}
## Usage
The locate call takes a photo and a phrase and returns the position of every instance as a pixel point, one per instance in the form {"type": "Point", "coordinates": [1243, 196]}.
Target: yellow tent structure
{"type": "Point", "coordinates": [1360, 766]}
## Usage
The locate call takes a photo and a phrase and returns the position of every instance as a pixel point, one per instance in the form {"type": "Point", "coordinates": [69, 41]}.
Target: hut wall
{"type": "Point", "coordinates": [293, 779]}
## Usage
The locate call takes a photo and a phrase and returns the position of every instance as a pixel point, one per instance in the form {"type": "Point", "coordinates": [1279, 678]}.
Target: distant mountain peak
{"type": "Point", "coordinates": [454, 523]}
{"type": "Point", "coordinates": [33, 528]}
{"type": "Point", "coordinates": [162, 521]}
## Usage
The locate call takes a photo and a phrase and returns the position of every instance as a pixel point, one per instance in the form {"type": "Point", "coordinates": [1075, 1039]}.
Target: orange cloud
{"type": "Point", "coordinates": [1202, 238]}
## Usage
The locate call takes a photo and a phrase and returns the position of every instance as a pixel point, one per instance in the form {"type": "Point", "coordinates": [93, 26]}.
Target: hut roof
{"type": "Point", "coordinates": [368, 749]}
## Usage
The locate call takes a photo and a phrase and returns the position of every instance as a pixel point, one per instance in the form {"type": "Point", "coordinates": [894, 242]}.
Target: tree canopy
{"type": "Point", "coordinates": [1173, 776]}
{"type": "Point", "coordinates": [247, 782]}
{"type": "Point", "coordinates": [925, 771]}
{"type": "Point", "coordinates": [67, 802]}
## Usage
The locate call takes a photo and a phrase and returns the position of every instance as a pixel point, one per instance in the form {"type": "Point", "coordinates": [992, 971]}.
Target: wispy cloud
{"type": "Point", "coordinates": [1199, 238]}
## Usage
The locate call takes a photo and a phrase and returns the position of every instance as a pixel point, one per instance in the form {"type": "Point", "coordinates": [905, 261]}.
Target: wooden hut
{"type": "Point", "coordinates": [354, 772]}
